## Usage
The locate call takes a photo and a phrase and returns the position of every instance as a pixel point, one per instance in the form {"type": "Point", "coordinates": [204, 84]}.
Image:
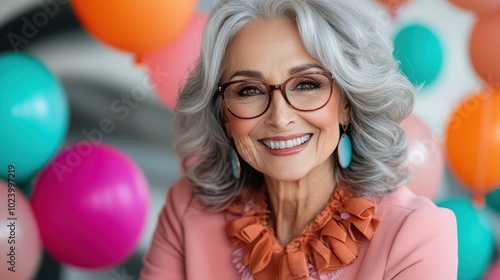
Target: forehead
{"type": "Point", "coordinates": [270, 46]}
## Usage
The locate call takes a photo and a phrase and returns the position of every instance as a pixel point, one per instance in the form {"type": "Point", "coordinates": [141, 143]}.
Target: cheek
{"type": "Point", "coordinates": [327, 121]}
{"type": "Point", "coordinates": [329, 136]}
{"type": "Point", "coordinates": [241, 133]}
{"type": "Point", "coordinates": [328, 118]}
{"type": "Point", "coordinates": [240, 129]}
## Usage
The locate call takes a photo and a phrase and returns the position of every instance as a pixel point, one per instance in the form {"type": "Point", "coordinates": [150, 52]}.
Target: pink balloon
{"type": "Point", "coordinates": [91, 203]}
{"type": "Point", "coordinates": [170, 67]}
{"type": "Point", "coordinates": [493, 272]}
{"type": "Point", "coordinates": [425, 156]}
{"type": "Point", "coordinates": [20, 244]}
{"type": "Point", "coordinates": [393, 6]}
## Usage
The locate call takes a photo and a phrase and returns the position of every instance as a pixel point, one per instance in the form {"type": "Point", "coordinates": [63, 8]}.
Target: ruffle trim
{"type": "Point", "coordinates": [329, 243]}
{"type": "Point", "coordinates": [313, 274]}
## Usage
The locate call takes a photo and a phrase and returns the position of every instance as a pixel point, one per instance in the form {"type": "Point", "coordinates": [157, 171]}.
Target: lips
{"type": "Point", "coordinates": [286, 144]}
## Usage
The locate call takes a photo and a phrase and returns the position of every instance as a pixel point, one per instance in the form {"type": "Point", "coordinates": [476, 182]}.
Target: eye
{"type": "Point", "coordinates": [247, 90]}
{"type": "Point", "coordinates": [307, 85]}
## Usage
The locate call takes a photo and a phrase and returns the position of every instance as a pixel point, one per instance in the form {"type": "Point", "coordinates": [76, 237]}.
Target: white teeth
{"type": "Point", "coordinates": [286, 144]}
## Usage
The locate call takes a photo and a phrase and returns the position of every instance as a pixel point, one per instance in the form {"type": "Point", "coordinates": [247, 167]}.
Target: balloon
{"type": "Point", "coordinates": [493, 200]}
{"type": "Point", "coordinates": [26, 188]}
{"type": "Point", "coordinates": [484, 44]}
{"type": "Point", "coordinates": [420, 53]}
{"type": "Point", "coordinates": [478, 6]}
{"type": "Point", "coordinates": [135, 26]}
{"type": "Point", "coordinates": [425, 156]}
{"type": "Point", "coordinates": [476, 241]}
{"type": "Point", "coordinates": [20, 243]}
{"type": "Point", "coordinates": [393, 6]}
{"type": "Point", "coordinates": [33, 115]}
{"type": "Point", "coordinates": [170, 66]}
{"type": "Point", "coordinates": [473, 142]}
{"type": "Point", "coordinates": [493, 272]}
{"type": "Point", "coordinates": [91, 204]}
{"type": "Point", "coordinates": [393, 3]}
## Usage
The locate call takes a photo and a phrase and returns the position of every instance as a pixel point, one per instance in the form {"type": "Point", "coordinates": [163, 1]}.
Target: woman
{"type": "Point", "coordinates": [274, 188]}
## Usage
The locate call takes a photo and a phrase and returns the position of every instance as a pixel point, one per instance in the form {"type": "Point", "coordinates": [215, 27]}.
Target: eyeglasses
{"type": "Point", "coordinates": [248, 99]}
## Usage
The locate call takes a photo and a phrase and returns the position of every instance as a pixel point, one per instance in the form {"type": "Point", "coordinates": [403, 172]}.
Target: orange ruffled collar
{"type": "Point", "coordinates": [329, 243]}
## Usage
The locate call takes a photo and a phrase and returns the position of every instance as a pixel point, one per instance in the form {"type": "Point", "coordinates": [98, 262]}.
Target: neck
{"type": "Point", "coordinates": [295, 204]}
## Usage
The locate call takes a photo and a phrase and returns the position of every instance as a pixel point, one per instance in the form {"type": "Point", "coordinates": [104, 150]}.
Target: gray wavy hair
{"type": "Point", "coordinates": [349, 44]}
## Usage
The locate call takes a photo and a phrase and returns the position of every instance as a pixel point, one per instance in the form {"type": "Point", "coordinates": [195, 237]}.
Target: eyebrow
{"type": "Point", "coordinates": [304, 67]}
{"type": "Point", "coordinates": [292, 71]}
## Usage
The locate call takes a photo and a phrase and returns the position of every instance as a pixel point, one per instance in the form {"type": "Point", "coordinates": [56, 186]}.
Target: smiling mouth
{"type": "Point", "coordinates": [279, 145]}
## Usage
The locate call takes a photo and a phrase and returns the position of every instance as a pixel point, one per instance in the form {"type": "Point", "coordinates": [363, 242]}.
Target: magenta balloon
{"type": "Point", "coordinates": [426, 157]}
{"type": "Point", "coordinates": [91, 203]}
{"type": "Point", "coordinates": [493, 272]}
{"type": "Point", "coordinates": [169, 68]}
{"type": "Point", "coordinates": [20, 244]}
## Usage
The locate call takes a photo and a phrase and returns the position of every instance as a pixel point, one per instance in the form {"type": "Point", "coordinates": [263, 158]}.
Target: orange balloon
{"type": "Point", "coordinates": [473, 142]}
{"type": "Point", "coordinates": [135, 26]}
{"type": "Point", "coordinates": [483, 47]}
{"type": "Point", "coordinates": [477, 6]}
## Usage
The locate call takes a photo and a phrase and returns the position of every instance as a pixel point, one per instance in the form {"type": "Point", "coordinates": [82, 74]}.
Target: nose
{"type": "Point", "coordinates": [280, 114]}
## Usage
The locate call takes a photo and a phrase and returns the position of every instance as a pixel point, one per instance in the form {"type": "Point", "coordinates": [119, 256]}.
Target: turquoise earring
{"type": "Point", "coordinates": [235, 164]}
{"type": "Point", "coordinates": [344, 149]}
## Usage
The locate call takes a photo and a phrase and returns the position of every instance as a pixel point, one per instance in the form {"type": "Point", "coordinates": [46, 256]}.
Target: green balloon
{"type": "Point", "coordinates": [420, 54]}
{"type": "Point", "coordinates": [33, 116]}
{"type": "Point", "coordinates": [476, 241]}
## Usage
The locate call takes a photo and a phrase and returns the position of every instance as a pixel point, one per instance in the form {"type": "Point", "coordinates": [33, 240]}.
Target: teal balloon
{"type": "Point", "coordinates": [476, 241]}
{"type": "Point", "coordinates": [493, 200]}
{"type": "Point", "coordinates": [420, 54]}
{"type": "Point", "coordinates": [33, 116]}
{"type": "Point", "coordinates": [26, 188]}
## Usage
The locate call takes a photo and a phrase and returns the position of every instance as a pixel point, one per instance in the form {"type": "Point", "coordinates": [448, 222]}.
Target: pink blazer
{"type": "Point", "coordinates": [415, 240]}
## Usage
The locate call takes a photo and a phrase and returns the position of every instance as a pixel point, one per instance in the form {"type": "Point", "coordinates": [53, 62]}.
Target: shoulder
{"type": "Point", "coordinates": [404, 213]}
{"type": "Point", "coordinates": [412, 215]}
{"type": "Point", "coordinates": [411, 222]}
{"type": "Point", "coordinates": [420, 232]}
{"type": "Point", "coordinates": [188, 209]}
{"type": "Point", "coordinates": [403, 204]}
{"type": "Point", "coordinates": [180, 199]}
{"type": "Point", "coordinates": [403, 197]}
{"type": "Point", "coordinates": [180, 190]}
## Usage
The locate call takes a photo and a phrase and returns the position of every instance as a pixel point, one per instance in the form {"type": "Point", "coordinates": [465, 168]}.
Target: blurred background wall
{"type": "Point", "coordinates": [432, 40]}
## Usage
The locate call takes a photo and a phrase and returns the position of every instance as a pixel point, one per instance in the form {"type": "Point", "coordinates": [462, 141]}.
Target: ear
{"type": "Point", "coordinates": [344, 111]}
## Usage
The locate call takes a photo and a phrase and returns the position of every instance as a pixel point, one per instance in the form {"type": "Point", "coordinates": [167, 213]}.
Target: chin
{"type": "Point", "coordinates": [287, 176]}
